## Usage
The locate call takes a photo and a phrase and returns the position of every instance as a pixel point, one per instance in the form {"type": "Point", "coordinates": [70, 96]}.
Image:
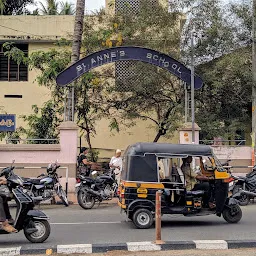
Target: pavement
{"type": "Point", "coordinates": [103, 228]}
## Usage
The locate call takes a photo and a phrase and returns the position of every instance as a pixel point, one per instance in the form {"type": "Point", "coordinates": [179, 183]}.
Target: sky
{"type": "Point", "coordinates": [90, 5]}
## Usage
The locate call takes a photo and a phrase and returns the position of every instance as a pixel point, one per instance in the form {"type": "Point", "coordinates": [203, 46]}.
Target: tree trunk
{"type": "Point", "coordinates": [157, 137]}
{"type": "Point", "coordinates": [78, 31]}
{"type": "Point", "coordinates": [76, 46]}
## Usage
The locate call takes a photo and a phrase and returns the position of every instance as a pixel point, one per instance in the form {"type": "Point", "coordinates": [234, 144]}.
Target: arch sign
{"type": "Point", "coordinates": [126, 53]}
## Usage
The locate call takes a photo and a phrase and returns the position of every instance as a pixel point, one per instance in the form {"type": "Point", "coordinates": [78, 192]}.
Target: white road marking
{"type": "Point", "coordinates": [211, 244]}
{"type": "Point", "coordinates": [143, 246]}
{"type": "Point", "coordinates": [10, 251]}
{"type": "Point", "coordinates": [74, 248]}
{"type": "Point", "coordinates": [83, 223]}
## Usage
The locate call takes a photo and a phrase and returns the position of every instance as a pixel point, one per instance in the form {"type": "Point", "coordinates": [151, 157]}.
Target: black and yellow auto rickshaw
{"type": "Point", "coordinates": [140, 179]}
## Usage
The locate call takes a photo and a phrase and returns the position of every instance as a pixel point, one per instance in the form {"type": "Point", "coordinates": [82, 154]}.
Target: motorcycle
{"type": "Point", "coordinates": [33, 222]}
{"type": "Point", "coordinates": [92, 190]}
{"type": "Point", "coordinates": [44, 187]}
{"type": "Point", "coordinates": [245, 184]}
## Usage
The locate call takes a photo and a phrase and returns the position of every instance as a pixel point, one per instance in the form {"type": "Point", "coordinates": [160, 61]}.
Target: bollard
{"type": "Point", "coordinates": [158, 217]}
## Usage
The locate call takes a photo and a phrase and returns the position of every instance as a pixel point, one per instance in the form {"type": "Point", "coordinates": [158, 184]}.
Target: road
{"type": "Point", "coordinates": [73, 225]}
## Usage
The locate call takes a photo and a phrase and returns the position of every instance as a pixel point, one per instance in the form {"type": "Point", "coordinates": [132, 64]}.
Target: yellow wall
{"type": "Point", "coordinates": [32, 94]}
{"type": "Point", "coordinates": [36, 27]}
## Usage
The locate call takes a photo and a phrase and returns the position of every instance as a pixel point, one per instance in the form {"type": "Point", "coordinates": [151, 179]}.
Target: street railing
{"type": "Point", "coordinates": [32, 141]}
{"type": "Point", "coordinates": [223, 142]}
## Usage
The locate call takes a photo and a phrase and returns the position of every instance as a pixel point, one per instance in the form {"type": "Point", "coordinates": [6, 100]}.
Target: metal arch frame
{"type": "Point", "coordinates": [123, 53]}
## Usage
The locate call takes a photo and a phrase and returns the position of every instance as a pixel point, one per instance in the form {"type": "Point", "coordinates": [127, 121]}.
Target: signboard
{"type": "Point", "coordinates": [127, 53]}
{"type": "Point", "coordinates": [7, 123]}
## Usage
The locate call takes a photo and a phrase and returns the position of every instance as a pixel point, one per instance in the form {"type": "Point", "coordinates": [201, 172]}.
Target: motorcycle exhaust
{"type": "Point", "coordinates": [37, 198]}
{"type": "Point", "coordinates": [95, 193]}
{"type": "Point", "coordinates": [248, 193]}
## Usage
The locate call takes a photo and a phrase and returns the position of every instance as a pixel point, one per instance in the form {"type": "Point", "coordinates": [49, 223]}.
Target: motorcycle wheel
{"type": "Point", "coordinates": [232, 214]}
{"type": "Point", "coordinates": [245, 199]}
{"type": "Point", "coordinates": [42, 233]}
{"type": "Point", "coordinates": [63, 197]}
{"type": "Point", "coordinates": [85, 200]}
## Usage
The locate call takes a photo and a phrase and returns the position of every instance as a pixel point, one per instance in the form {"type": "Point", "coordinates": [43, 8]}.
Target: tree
{"type": "Point", "coordinates": [14, 7]}
{"type": "Point", "coordinates": [43, 123]}
{"type": "Point", "coordinates": [150, 94]}
{"type": "Point", "coordinates": [55, 7]}
{"type": "Point", "coordinates": [51, 7]}
{"type": "Point", "coordinates": [224, 103]}
{"type": "Point", "coordinates": [76, 47]}
{"type": "Point", "coordinates": [223, 61]}
{"type": "Point", "coordinates": [67, 8]}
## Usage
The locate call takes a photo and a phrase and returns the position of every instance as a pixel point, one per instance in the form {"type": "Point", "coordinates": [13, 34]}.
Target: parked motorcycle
{"type": "Point", "coordinates": [33, 222]}
{"type": "Point", "coordinates": [92, 190]}
{"type": "Point", "coordinates": [246, 184]}
{"type": "Point", "coordinates": [44, 187]}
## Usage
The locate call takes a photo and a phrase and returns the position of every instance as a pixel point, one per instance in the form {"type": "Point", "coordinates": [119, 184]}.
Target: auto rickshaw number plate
{"type": "Point", "coordinates": [142, 191]}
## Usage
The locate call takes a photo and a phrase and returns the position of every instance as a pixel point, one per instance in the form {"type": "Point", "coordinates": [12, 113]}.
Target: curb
{"type": "Point", "coordinates": [129, 246]}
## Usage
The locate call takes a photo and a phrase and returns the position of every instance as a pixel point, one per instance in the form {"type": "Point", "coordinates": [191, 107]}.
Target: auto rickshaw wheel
{"type": "Point", "coordinates": [143, 218]}
{"type": "Point", "coordinates": [232, 214]}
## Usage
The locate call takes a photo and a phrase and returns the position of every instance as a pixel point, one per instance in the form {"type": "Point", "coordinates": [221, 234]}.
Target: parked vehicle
{"type": "Point", "coordinates": [34, 223]}
{"type": "Point", "coordinates": [140, 179]}
{"type": "Point", "coordinates": [45, 186]}
{"type": "Point", "coordinates": [91, 190]}
{"type": "Point", "coordinates": [245, 184]}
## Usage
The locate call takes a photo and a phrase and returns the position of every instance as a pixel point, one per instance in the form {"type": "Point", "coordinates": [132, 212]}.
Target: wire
{"type": "Point", "coordinates": [18, 30]}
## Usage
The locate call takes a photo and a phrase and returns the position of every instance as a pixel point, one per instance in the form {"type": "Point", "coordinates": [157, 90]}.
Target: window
{"type": "Point", "coordinates": [9, 69]}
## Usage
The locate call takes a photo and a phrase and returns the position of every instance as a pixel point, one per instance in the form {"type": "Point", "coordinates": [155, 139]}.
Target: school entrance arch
{"type": "Point", "coordinates": [124, 53]}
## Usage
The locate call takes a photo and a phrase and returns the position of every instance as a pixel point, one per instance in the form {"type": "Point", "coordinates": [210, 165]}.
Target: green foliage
{"type": "Point", "coordinates": [93, 155]}
{"type": "Point", "coordinates": [55, 7]}
{"type": "Point", "coordinates": [224, 103]}
{"type": "Point", "coordinates": [14, 7]}
{"type": "Point", "coordinates": [43, 123]}
{"type": "Point", "coordinates": [12, 137]}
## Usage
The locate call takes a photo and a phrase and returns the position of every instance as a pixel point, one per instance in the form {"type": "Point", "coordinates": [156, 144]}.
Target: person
{"type": "Point", "coordinates": [191, 180]}
{"type": "Point", "coordinates": [116, 165]}
{"type": "Point", "coordinates": [5, 216]}
{"type": "Point", "coordinates": [83, 163]}
{"type": "Point", "coordinates": [161, 169]}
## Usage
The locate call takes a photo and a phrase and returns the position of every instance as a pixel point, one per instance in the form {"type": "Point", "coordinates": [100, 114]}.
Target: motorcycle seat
{"type": "Point", "coordinates": [195, 193]}
{"type": "Point", "coordinates": [85, 178]}
{"type": "Point", "coordinates": [35, 181]}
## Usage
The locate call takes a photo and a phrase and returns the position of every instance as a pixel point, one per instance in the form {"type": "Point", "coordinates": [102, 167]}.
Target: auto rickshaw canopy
{"type": "Point", "coordinates": [140, 159]}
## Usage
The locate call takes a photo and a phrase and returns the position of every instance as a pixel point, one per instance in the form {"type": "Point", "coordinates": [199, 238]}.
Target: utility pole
{"type": "Point", "coordinates": [76, 46]}
{"type": "Point", "coordinates": [254, 81]}
{"type": "Point", "coordinates": [193, 85]}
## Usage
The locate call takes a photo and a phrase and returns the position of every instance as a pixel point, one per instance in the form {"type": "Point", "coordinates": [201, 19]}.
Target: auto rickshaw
{"type": "Point", "coordinates": [140, 179]}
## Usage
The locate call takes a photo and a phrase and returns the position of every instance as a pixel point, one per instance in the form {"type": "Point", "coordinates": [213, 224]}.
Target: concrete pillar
{"type": "Point", "coordinates": [68, 139]}
{"type": "Point", "coordinates": [186, 133]}
{"type": "Point", "coordinates": [68, 145]}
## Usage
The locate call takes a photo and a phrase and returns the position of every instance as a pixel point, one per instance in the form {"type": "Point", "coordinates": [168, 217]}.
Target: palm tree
{"type": "Point", "coordinates": [67, 9]}
{"type": "Point", "coordinates": [2, 5]}
{"type": "Point", "coordinates": [51, 7]}
{"type": "Point", "coordinates": [76, 46]}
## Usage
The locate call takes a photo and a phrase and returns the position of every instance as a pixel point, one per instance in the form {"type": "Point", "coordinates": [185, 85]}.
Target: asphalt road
{"type": "Point", "coordinates": [73, 225]}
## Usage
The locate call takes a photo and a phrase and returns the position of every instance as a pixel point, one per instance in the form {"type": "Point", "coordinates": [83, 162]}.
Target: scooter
{"type": "Point", "coordinates": [33, 222]}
